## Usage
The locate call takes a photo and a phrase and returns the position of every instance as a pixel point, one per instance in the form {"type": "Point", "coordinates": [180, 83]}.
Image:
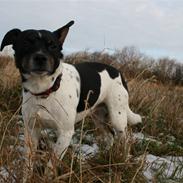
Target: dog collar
{"type": "Point", "coordinates": [54, 88]}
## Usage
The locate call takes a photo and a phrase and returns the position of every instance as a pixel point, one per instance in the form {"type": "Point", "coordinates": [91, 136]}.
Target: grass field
{"type": "Point", "coordinates": [156, 92]}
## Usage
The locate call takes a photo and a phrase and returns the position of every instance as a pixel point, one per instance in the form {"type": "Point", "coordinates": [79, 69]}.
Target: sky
{"type": "Point", "coordinates": [155, 27]}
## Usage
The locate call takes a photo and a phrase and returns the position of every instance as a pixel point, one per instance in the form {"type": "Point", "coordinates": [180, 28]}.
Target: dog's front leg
{"type": "Point", "coordinates": [31, 143]}
{"type": "Point", "coordinates": [59, 148]}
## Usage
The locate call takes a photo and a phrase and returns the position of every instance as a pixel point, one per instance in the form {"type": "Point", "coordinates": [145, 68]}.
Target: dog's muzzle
{"type": "Point", "coordinates": [39, 64]}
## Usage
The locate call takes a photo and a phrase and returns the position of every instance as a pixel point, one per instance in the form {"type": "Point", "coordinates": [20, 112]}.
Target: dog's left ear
{"type": "Point", "coordinates": [62, 32]}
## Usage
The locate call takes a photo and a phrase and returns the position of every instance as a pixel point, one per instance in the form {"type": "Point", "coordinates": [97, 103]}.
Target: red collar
{"type": "Point", "coordinates": [54, 88]}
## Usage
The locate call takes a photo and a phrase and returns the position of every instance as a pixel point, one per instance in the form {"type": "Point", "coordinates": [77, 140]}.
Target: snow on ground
{"type": "Point", "coordinates": [4, 173]}
{"type": "Point", "coordinates": [167, 167]}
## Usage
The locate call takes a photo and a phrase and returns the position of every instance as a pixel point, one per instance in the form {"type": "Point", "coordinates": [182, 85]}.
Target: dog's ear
{"type": "Point", "coordinates": [10, 38]}
{"type": "Point", "coordinates": [62, 32]}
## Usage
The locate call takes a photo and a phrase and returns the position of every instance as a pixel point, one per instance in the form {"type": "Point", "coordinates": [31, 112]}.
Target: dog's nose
{"type": "Point", "coordinates": [40, 58]}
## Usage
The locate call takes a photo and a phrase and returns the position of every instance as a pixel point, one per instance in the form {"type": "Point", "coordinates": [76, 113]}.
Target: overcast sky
{"type": "Point", "coordinates": [153, 26]}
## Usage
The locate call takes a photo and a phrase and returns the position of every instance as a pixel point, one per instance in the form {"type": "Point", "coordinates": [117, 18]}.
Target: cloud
{"type": "Point", "coordinates": [149, 25]}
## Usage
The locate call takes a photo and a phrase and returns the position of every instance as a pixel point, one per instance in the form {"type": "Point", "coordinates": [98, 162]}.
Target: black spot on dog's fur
{"type": "Point", "coordinates": [91, 81]}
{"type": "Point", "coordinates": [124, 82]}
{"type": "Point", "coordinates": [99, 67]}
{"type": "Point", "coordinates": [77, 92]}
{"type": "Point", "coordinates": [77, 79]}
{"type": "Point", "coordinates": [25, 90]}
{"type": "Point", "coordinates": [23, 78]}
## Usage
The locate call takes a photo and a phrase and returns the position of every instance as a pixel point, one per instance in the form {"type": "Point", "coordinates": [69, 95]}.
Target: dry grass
{"type": "Point", "coordinates": [9, 74]}
{"type": "Point", "coordinates": [162, 108]}
{"type": "Point", "coordinates": [160, 104]}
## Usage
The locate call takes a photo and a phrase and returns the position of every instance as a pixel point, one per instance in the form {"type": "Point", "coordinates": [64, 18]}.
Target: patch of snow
{"type": "Point", "coordinates": [88, 150]}
{"type": "Point", "coordinates": [169, 167]}
{"type": "Point", "coordinates": [5, 176]}
{"type": "Point", "coordinates": [4, 173]}
{"type": "Point", "coordinates": [138, 136]}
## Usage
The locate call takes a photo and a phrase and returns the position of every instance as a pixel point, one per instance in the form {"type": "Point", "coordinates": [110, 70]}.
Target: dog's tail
{"type": "Point", "coordinates": [132, 117]}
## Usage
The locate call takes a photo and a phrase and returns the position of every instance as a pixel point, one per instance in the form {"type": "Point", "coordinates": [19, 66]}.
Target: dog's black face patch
{"type": "Point", "coordinates": [37, 52]}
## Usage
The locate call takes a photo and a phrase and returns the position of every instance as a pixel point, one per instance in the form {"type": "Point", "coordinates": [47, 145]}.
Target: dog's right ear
{"type": "Point", "coordinates": [10, 38]}
{"type": "Point", "coordinates": [62, 33]}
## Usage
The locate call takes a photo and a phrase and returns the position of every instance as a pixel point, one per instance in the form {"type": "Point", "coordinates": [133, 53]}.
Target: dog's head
{"type": "Point", "coordinates": [37, 52]}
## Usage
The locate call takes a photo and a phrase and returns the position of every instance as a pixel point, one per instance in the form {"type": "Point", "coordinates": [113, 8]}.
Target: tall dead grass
{"type": "Point", "coordinates": [160, 104]}
{"type": "Point", "coordinates": [9, 73]}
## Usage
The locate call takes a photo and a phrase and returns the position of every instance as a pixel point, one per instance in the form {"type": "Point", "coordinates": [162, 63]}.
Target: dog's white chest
{"type": "Point", "coordinates": [59, 108]}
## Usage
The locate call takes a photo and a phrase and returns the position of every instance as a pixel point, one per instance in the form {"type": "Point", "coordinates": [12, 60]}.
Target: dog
{"type": "Point", "coordinates": [56, 95]}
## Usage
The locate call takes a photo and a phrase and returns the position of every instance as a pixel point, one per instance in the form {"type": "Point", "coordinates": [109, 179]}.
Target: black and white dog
{"type": "Point", "coordinates": [55, 93]}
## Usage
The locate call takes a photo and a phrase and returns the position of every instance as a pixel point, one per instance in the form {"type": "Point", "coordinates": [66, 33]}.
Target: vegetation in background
{"type": "Point", "coordinates": [156, 92]}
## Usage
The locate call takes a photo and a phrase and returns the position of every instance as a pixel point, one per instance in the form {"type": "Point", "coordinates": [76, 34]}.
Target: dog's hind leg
{"type": "Point", "coordinates": [117, 103]}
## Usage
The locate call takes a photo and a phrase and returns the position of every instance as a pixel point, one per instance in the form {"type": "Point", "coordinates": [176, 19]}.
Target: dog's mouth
{"type": "Point", "coordinates": [39, 73]}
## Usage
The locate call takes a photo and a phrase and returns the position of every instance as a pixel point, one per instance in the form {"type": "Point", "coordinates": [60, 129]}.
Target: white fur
{"type": "Point", "coordinates": [38, 84]}
{"type": "Point", "coordinates": [58, 111]}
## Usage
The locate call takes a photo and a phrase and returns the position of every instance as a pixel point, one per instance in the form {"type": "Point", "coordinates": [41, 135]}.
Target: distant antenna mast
{"type": "Point", "coordinates": [104, 42]}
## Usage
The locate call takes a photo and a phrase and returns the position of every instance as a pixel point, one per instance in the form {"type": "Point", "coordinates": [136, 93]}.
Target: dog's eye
{"type": "Point", "coordinates": [52, 45]}
{"type": "Point", "coordinates": [30, 40]}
